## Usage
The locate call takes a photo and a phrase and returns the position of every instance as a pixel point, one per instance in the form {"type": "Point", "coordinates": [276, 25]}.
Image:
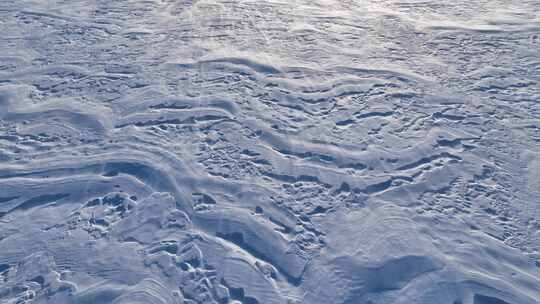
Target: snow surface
{"type": "Point", "coordinates": [321, 151]}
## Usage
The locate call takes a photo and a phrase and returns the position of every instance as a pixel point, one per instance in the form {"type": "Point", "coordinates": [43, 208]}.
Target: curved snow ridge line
{"type": "Point", "coordinates": [254, 195]}
{"type": "Point", "coordinates": [406, 171]}
{"type": "Point", "coordinates": [78, 120]}
{"type": "Point", "coordinates": [292, 97]}
{"type": "Point", "coordinates": [26, 193]}
{"type": "Point", "coordinates": [152, 156]}
{"type": "Point", "coordinates": [291, 91]}
{"type": "Point", "coordinates": [155, 176]}
{"type": "Point", "coordinates": [314, 81]}
{"type": "Point", "coordinates": [344, 158]}
{"type": "Point", "coordinates": [152, 167]}
{"type": "Point", "coordinates": [186, 103]}
{"type": "Point", "coordinates": [339, 181]}
{"type": "Point", "coordinates": [79, 116]}
{"type": "Point", "coordinates": [428, 159]}
{"type": "Point", "coordinates": [146, 291]}
{"type": "Point", "coordinates": [310, 89]}
{"type": "Point", "coordinates": [142, 168]}
{"type": "Point", "coordinates": [37, 201]}
{"type": "Point", "coordinates": [360, 115]}
{"type": "Point", "coordinates": [259, 288]}
{"type": "Point", "coordinates": [158, 181]}
{"type": "Point", "coordinates": [233, 265]}
{"type": "Point", "coordinates": [238, 64]}
{"type": "Point", "coordinates": [174, 116]}
{"type": "Point", "coordinates": [314, 91]}
{"type": "Point", "coordinates": [395, 73]}
{"type": "Point", "coordinates": [254, 236]}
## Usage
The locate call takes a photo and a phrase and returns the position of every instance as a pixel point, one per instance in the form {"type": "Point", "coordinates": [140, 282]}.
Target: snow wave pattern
{"type": "Point", "coordinates": [178, 151]}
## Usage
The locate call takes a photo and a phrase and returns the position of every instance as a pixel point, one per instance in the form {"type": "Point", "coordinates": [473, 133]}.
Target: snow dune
{"type": "Point", "coordinates": [175, 151]}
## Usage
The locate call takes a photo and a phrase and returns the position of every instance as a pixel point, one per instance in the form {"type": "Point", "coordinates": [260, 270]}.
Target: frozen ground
{"type": "Point", "coordinates": [321, 151]}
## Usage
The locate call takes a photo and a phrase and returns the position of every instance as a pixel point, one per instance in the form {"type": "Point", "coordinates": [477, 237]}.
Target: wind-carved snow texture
{"type": "Point", "coordinates": [170, 151]}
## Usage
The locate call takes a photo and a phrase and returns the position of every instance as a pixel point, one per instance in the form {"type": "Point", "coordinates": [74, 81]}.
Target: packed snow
{"type": "Point", "coordinates": [266, 151]}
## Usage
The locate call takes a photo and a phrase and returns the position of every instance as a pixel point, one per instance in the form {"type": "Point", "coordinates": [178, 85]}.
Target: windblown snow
{"type": "Point", "coordinates": [267, 152]}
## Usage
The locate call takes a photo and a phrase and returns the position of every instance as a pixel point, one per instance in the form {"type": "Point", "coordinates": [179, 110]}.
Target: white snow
{"type": "Point", "coordinates": [192, 151]}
